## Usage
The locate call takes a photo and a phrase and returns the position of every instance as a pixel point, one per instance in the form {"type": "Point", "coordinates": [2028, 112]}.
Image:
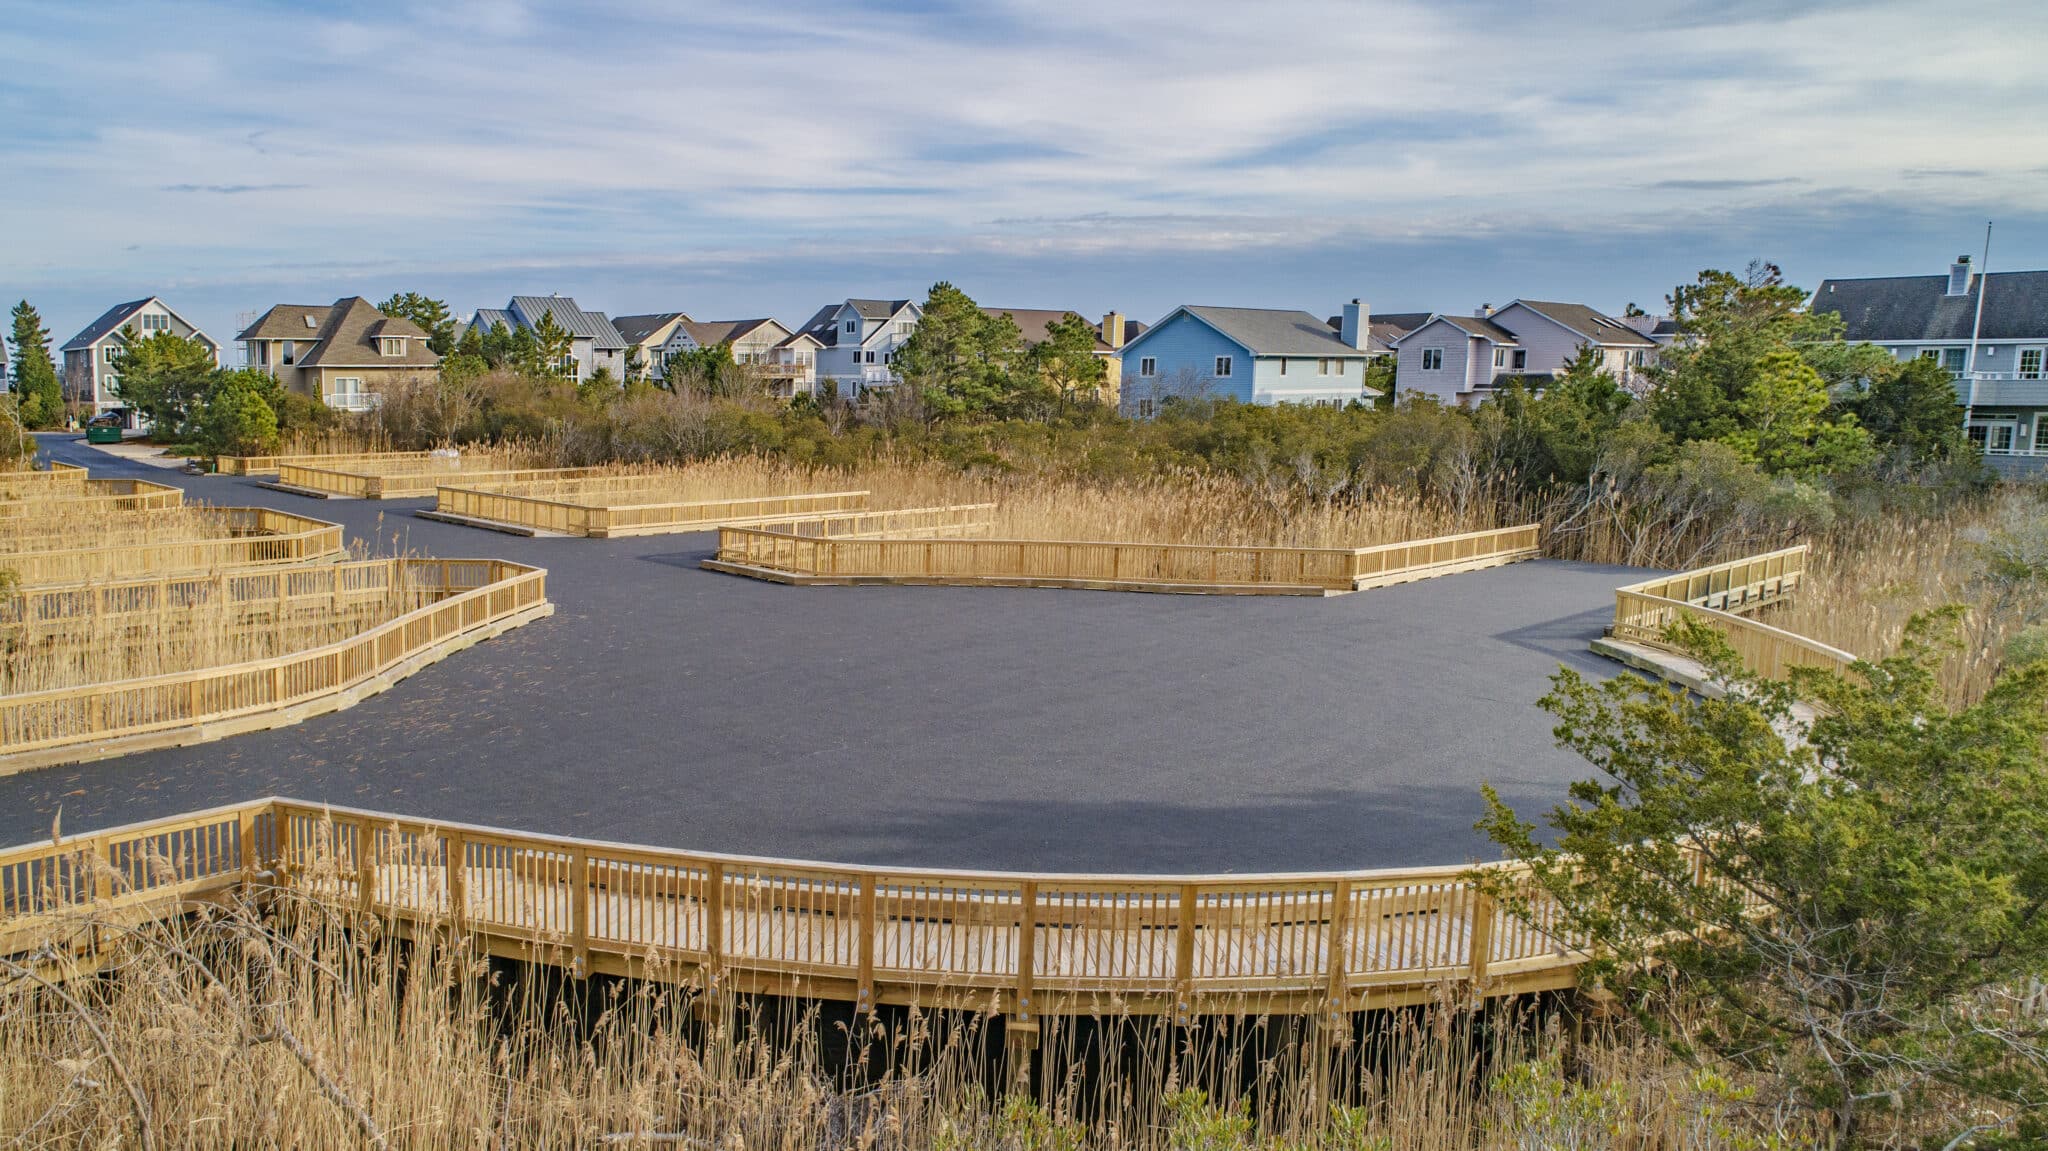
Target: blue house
{"type": "Point", "coordinates": [1251, 355]}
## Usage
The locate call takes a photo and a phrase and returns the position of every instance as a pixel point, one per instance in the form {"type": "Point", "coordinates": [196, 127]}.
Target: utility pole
{"type": "Point", "coordinates": [1976, 328]}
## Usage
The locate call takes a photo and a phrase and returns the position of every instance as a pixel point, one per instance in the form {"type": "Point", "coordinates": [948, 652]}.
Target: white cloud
{"type": "Point", "coordinates": [494, 133]}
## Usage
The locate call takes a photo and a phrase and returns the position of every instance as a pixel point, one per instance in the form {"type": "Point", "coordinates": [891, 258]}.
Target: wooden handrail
{"type": "Point", "coordinates": [88, 496]}
{"type": "Point", "coordinates": [1046, 942]}
{"type": "Point", "coordinates": [1721, 595]}
{"type": "Point", "coordinates": [489, 591]}
{"type": "Point", "coordinates": [268, 465]}
{"type": "Point", "coordinates": [943, 559]}
{"type": "Point", "coordinates": [410, 483]}
{"type": "Point", "coordinates": [564, 506]}
{"type": "Point", "coordinates": [256, 537]}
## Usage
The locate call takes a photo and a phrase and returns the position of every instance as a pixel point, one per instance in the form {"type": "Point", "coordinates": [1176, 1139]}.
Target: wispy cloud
{"type": "Point", "coordinates": [1057, 139]}
{"type": "Point", "coordinates": [232, 189]}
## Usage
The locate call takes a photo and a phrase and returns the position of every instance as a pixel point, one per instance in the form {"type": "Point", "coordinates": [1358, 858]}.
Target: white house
{"type": "Point", "coordinates": [90, 379]}
{"type": "Point", "coordinates": [1464, 359]}
{"type": "Point", "coordinates": [857, 341]}
{"type": "Point", "coordinates": [755, 343]}
{"type": "Point", "coordinates": [594, 342]}
{"type": "Point", "coordinates": [1251, 355]}
{"type": "Point", "coordinates": [644, 336]}
{"type": "Point", "coordinates": [2004, 391]}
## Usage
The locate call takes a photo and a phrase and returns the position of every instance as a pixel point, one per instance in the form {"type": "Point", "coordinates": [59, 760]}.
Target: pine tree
{"type": "Point", "coordinates": [36, 389]}
{"type": "Point", "coordinates": [429, 313]}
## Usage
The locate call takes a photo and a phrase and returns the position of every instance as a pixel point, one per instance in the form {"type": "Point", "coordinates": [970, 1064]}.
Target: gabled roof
{"type": "Point", "coordinates": [709, 333]}
{"type": "Point", "coordinates": [1588, 324]}
{"type": "Point", "coordinates": [823, 326]}
{"type": "Point", "coordinates": [349, 339]}
{"type": "Point", "coordinates": [287, 322]}
{"type": "Point", "coordinates": [1470, 325]}
{"type": "Point", "coordinates": [877, 309]}
{"type": "Point", "coordinates": [1897, 308]}
{"type": "Point", "coordinates": [114, 318]}
{"type": "Point", "coordinates": [592, 326]}
{"type": "Point", "coordinates": [489, 318]}
{"type": "Point", "coordinates": [1033, 322]}
{"type": "Point", "coordinates": [636, 330]}
{"type": "Point", "coordinates": [1264, 331]}
{"type": "Point", "coordinates": [795, 338]}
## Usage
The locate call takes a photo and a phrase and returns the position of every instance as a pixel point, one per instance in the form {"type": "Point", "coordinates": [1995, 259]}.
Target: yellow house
{"type": "Point", "coordinates": [1110, 336]}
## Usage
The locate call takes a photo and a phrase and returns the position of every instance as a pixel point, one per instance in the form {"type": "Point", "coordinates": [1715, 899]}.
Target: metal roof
{"type": "Point", "coordinates": [592, 326]}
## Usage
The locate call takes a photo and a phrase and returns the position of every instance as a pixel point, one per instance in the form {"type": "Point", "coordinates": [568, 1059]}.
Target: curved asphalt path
{"type": "Point", "coordinates": [948, 727]}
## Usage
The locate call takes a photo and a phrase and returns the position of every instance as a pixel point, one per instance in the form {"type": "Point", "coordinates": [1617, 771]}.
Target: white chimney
{"type": "Point", "coordinates": [1959, 277]}
{"type": "Point", "coordinates": [1485, 311]}
{"type": "Point", "coordinates": [1357, 327]}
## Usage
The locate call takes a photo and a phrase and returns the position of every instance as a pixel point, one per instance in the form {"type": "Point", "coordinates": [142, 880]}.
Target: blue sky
{"type": "Point", "coordinates": [735, 159]}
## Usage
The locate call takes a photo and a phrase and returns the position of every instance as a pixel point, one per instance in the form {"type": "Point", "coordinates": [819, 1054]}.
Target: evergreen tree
{"type": "Point", "coordinates": [1066, 358]}
{"type": "Point", "coordinates": [38, 394]}
{"type": "Point", "coordinates": [1911, 408]}
{"type": "Point", "coordinates": [961, 360]}
{"type": "Point", "coordinates": [430, 314]}
{"type": "Point", "coordinates": [552, 345]}
{"type": "Point", "coordinates": [163, 377]}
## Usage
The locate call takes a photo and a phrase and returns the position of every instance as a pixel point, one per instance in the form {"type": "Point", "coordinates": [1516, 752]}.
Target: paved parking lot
{"type": "Point", "coordinates": [951, 727]}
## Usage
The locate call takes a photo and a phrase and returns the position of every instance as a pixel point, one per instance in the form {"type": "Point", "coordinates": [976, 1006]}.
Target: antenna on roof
{"type": "Point", "coordinates": [1977, 327]}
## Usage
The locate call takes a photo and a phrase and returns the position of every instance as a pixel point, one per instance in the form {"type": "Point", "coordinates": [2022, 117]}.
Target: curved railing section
{"type": "Point", "coordinates": [791, 554]}
{"type": "Point", "coordinates": [1031, 944]}
{"type": "Point", "coordinates": [252, 537]}
{"type": "Point", "coordinates": [401, 479]}
{"type": "Point", "coordinates": [473, 599]}
{"type": "Point", "coordinates": [268, 465]}
{"type": "Point", "coordinates": [1722, 595]}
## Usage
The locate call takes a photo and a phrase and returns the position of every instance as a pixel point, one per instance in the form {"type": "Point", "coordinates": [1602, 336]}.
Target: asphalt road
{"type": "Point", "coordinates": [950, 727]}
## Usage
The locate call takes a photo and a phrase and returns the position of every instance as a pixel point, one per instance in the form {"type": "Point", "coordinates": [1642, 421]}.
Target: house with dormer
{"type": "Point", "coordinates": [1995, 348]}
{"type": "Point", "coordinates": [1462, 360]}
{"type": "Point", "coordinates": [857, 341]}
{"type": "Point", "coordinates": [345, 353]}
{"type": "Point", "coordinates": [594, 343]}
{"type": "Point", "coordinates": [644, 337]}
{"type": "Point", "coordinates": [1251, 355]}
{"type": "Point", "coordinates": [91, 379]}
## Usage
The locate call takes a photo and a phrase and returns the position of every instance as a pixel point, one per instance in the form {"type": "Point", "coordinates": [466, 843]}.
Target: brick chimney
{"type": "Point", "coordinates": [1357, 328]}
{"type": "Point", "coordinates": [1113, 330]}
{"type": "Point", "coordinates": [1959, 277]}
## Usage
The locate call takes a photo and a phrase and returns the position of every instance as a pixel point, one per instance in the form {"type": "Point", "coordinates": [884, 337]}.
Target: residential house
{"type": "Point", "coordinates": [753, 342]}
{"type": "Point", "coordinates": [90, 378]}
{"type": "Point", "coordinates": [2004, 388]}
{"type": "Point", "coordinates": [1110, 336]}
{"type": "Point", "coordinates": [1464, 359]}
{"type": "Point", "coordinates": [644, 337]}
{"type": "Point", "coordinates": [594, 343]}
{"type": "Point", "coordinates": [1252, 355]}
{"type": "Point", "coordinates": [345, 353]}
{"type": "Point", "coordinates": [857, 341]}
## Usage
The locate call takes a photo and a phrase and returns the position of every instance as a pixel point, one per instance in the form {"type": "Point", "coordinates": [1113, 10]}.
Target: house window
{"type": "Point", "coordinates": [1223, 366]}
{"type": "Point", "coordinates": [853, 325]}
{"type": "Point", "coordinates": [1521, 359]}
{"type": "Point", "coordinates": [1144, 409]}
{"type": "Point", "coordinates": [903, 327]}
{"type": "Point", "coordinates": [286, 352]}
{"type": "Point", "coordinates": [392, 346]}
{"type": "Point", "coordinates": [1952, 359]}
{"type": "Point", "coordinates": [1432, 359]}
{"type": "Point", "coordinates": [348, 385]}
{"type": "Point", "coordinates": [1283, 365]}
{"type": "Point", "coordinates": [569, 367]}
{"type": "Point", "coordinates": [2030, 363]}
{"type": "Point", "coordinates": [1147, 366]}
{"type": "Point", "coordinates": [111, 352]}
{"type": "Point", "coordinates": [154, 323]}
{"type": "Point", "coordinates": [1500, 357]}
{"type": "Point", "coordinates": [871, 357]}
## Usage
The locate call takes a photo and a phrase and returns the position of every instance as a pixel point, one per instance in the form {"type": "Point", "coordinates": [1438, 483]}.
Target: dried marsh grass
{"type": "Point", "coordinates": [1178, 508]}
{"type": "Point", "coordinates": [45, 650]}
{"type": "Point", "coordinates": [52, 526]}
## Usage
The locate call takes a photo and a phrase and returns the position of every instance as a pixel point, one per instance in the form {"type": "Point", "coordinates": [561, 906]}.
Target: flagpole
{"type": "Point", "coordinates": [1977, 328]}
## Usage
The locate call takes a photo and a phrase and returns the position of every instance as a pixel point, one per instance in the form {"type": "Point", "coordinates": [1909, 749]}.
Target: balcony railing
{"type": "Point", "coordinates": [354, 401]}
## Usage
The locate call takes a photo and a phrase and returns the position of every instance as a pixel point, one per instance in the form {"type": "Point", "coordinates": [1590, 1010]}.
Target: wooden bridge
{"type": "Point", "coordinates": [1026, 944]}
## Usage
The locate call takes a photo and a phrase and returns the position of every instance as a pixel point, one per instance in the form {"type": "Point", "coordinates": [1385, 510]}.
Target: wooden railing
{"type": "Point", "coordinates": [255, 536]}
{"type": "Point", "coordinates": [275, 592]}
{"type": "Point", "coordinates": [89, 497]}
{"type": "Point", "coordinates": [472, 595]}
{"type": "Point", "coordinates": [789, 552]}
{"type": "Point", "coordinates": [1721, 595]}
{"type": "Point", "coordinates": [24, 482]}
{"type": "Point", "coordinates": [409, 484]}
{"type": "Point", "coordinates": [563, 507]}
{"type": "Point", "coordinates": [1030, 944]}
{"type": "Point", "coordinates": [268, 465]}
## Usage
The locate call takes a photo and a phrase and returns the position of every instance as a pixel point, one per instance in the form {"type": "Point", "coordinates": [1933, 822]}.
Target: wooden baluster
{"type": "Point", "coordinates": [455, 861]}
{"type": "Point", "coordinates": [866, 925]}
{"type": "Point", "coordinates": [714, 916]}
{"type": "Point", "coordinates": [1337, 955]}
{"type": "Point", "coordinates": [366, 865]}
{"type": "Point", "coordinates": [579, 911]}
{"type": "Point", "coordinates": [1184, 955]}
